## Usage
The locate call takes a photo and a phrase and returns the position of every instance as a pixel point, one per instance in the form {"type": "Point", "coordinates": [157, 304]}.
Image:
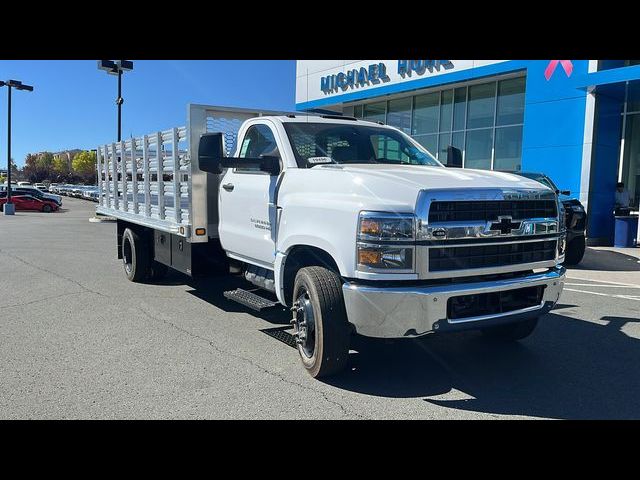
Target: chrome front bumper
{"type": "Point", "coordinates": [395, 312]}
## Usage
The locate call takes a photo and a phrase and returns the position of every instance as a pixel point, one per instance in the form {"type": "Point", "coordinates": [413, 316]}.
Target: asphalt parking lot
{"type": "Point", "coordinates": [77, 340]}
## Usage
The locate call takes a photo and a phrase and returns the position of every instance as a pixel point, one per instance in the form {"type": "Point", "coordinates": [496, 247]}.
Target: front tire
{"type": "Point", "coordinates": [320, 321]}
{"type": "Point", "coordinates": [575, 251]}
{"type": "Point", "coordinates": [46, 208]}
{"type": "Point", "coordinates": [135, 257]}
{"type": "Point", "coordinates": [512, 331]}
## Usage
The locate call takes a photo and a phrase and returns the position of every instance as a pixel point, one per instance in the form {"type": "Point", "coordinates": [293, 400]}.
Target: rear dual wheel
{"type": "Point", "coordinates": [135, 256]}
{"type": "Point", "coordinates": [136, 259]}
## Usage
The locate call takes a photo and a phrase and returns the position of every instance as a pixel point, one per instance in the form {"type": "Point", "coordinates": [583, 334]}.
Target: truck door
{"type": "Point", "coordinates": [247, 201]}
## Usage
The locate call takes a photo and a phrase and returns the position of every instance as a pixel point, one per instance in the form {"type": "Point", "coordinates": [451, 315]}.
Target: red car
{"type": "Point", "coordinates": [27, 202]}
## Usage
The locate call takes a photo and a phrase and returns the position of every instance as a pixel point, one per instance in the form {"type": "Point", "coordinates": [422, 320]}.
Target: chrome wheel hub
{"type": "Point", "coordinates": [304, 324]}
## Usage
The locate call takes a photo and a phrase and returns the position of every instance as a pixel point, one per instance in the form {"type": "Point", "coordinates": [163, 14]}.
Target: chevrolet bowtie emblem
{"type": "Point", "coordinates": [504, 225]}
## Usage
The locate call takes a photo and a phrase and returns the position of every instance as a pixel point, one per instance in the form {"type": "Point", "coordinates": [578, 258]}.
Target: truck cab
{"type": "Point", "coordinates": [351, 224]}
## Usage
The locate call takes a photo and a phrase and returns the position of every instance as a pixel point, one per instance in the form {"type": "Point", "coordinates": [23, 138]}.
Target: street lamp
{"type": "Point", "coordinates": [117, 68]}
{"type": "Point", "coordinates": [9, 208]}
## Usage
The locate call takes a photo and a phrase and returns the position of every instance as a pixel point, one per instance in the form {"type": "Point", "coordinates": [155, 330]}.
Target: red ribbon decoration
{"type": "Point", "coordinates": [553, 64]}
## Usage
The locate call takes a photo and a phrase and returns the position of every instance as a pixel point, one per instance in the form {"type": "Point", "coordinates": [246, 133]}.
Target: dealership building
{"type": "Point", "coordinates": [578, 121]}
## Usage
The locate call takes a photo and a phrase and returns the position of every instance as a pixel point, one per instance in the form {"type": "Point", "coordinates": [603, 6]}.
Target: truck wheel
{"type": "Point", "coordinates": [575, 251]}
{"type": "Point", "coordinates": [135, 258]}
{"type": "Point", "coordinates": [512, 331]}
{"type": "Point", "coordinates": [157, 271]}
{"type": "Point", "coordinates": [320, 321]}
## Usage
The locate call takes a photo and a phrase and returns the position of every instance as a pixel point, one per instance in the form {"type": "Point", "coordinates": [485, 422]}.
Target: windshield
{"type": "Point", "coordinates": [318, 143]}
{"type": "Point", "coordinates": [539, 177]}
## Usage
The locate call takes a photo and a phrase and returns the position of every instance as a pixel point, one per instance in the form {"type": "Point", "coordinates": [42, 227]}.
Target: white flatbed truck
{"type": "Point", "coordinates": [351, 224]}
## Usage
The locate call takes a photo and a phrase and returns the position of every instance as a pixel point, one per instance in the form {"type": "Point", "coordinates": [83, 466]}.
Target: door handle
{"type": "Point", "coordinates": [228, 187]}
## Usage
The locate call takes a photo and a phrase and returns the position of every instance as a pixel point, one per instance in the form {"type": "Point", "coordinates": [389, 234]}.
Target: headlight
{"type": "Point", "coordinates": [397, 231]}
{"type": "Point", "coordinates": [577, 208]}
{"type": "Point", "coordinates": [386, 226]}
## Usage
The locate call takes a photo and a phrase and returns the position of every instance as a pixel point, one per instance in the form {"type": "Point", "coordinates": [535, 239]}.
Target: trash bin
{"type": "Point", "coordinates": [626, 232]}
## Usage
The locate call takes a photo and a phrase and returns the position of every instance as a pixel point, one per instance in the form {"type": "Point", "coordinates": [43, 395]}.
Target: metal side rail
{"type": "Point", "coordinates": [157, 224]}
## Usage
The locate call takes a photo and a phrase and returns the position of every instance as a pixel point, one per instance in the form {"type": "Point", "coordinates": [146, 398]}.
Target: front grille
{"type": "Point", "coordinates": [494, 303]}
{"type": "Point", "coordinates": [488, 210]}
{"type": "Point", "coordinates": [484, 256]}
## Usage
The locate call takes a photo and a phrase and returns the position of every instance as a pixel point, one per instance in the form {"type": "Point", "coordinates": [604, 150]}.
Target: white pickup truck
{"type": "Point", "coordinates": [351, 224]}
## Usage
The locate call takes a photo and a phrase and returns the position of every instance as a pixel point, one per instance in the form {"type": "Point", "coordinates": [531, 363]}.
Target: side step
{"type": "Point", "coordinates": [249, 299]}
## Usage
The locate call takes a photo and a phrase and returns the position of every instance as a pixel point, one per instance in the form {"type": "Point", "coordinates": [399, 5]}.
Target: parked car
{"type": "Point", "coordinates": [29, 202]}
{"type": "Point", "coordinates": [575, 218]}
{"type": "Point", "coordinates": [29, 190]}
{"type": "Point", "coordinates": [88, 193]}
{"type": "Point", "coordinates": [64, 189]}
{"type": "Point", "coordinates": [42, 187]}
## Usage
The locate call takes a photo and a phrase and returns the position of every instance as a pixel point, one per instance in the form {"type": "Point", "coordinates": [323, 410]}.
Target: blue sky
{"type": "Point", "coordinates": [73, 103]}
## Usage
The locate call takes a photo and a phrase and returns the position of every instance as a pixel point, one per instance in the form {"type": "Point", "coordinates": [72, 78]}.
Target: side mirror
{"type": "Point", "coordinates": [211, 158]}
{"type": "Point", "coordinates": [270, 164]}
{"type": "Point", "coordinates": [210, 152]}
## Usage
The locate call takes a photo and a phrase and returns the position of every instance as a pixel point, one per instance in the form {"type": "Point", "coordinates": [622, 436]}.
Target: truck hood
{"type": "Point", "coordinates": [418, 177]}
{"type": "Point", "coordinates": [380, 187]}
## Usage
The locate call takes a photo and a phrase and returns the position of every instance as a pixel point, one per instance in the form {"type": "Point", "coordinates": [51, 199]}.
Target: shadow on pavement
{"type": "Point", "coordinates": [567, 369]}
{"type": "Point", "coordinates": [605, 260]}
{"type": "Point", "coordinates": [211, 290]}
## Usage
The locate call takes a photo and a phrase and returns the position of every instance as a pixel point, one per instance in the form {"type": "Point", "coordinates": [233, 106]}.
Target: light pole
{"type": "Point", "coordinates": [9, 208]}
{"type": "Point", "coordinates": [117, 68]}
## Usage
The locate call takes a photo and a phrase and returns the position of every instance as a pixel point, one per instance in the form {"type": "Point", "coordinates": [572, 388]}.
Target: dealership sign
{"type": "Point", "coordinates": [372, 74]}
{"type": "Point", "coordinates": [322, 79]}
{"type": "Point", "coordinates": [377, 72]}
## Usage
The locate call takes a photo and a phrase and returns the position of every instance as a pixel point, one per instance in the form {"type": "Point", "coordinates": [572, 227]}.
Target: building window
{"type": "Point", "coordinates": [508, 148]}
{"type": "Point", "coordinates": [426, 110]}
{"type": "Point", "coordinates": [478, 148]}
{"type": "Point", "coordinates": [399, 114]}
{"type": "Point", "coordinates": [375, 112]}
{"type": "Point", "coordinates": [475, 126]}
{"type": "Point", "coordinates": [482, 101]}
{"type": "Point", "coordinates": [510, 102]}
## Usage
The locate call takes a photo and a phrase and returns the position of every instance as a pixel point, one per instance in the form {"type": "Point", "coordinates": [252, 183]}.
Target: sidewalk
{"type": "Point", "coordinates": [608, 264]}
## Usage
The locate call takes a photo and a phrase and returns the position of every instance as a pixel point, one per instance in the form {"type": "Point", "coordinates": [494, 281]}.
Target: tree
{"type": "Point", "coordinates": [60, 165]}
{"type": "Point", "coordinates": [37, 167]}
{"type": "Point", "coordinates": [44, 162]}
{"type": "Point", "coordinates": [84, 164]}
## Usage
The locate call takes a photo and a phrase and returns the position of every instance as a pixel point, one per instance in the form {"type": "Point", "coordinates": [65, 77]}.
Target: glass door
{"type": "Point", "coordinates": [630, 166]}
